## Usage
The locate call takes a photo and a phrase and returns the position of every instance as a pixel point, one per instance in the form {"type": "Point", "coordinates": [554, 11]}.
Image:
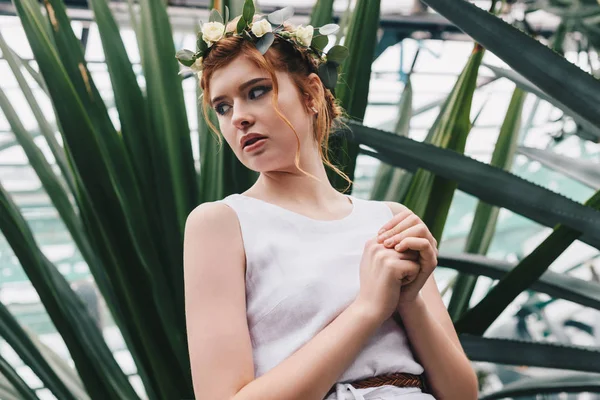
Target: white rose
{"type": "Point", "coordinates": [304, 34]}
{"type": "Point", "coordinates": [197, 65]}
{"type": "Point", "coordinates": [261, 27]}
{"type": "Point", "coordinates": [212, 32]}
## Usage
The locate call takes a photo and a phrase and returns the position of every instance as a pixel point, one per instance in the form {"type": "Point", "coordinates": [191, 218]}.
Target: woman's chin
{"type": "Point", "coordinates": [262, 166]}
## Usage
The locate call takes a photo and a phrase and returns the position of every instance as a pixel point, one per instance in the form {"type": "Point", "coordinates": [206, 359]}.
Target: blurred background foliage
{"type": "Point", "coordinates": [480, 116]}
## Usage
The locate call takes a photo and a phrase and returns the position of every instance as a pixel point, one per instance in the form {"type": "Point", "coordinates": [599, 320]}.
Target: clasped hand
{"type": "Point", "coordinates": [409, 236]}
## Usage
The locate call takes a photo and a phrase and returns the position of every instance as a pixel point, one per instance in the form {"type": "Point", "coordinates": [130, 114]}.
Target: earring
{"type": "Point", "coordinates": [314, 110]}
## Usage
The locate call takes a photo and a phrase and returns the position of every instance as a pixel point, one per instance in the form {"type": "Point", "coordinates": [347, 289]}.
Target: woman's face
{"type": "Point", "coordinates": [241, 97]}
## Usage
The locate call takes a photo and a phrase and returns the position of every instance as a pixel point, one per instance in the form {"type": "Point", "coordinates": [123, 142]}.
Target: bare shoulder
{"type": "Point", "coordinates": [211, 213]}
{"type": "Point", "coordinates": [395, 207]}
{"type": "Point", "coordinates": [217, 224]}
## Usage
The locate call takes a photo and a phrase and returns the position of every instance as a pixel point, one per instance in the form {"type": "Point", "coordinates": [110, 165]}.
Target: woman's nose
{"type": "Point", "coordinates": [242, 117]}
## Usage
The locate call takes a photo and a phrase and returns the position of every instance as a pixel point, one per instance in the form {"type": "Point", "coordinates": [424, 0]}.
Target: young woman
{"type": "Point", "coordinates": [290, 291]}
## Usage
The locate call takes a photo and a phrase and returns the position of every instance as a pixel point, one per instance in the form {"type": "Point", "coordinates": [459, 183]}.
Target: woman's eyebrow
{"type": "Point", "coordinates": [242, 87]}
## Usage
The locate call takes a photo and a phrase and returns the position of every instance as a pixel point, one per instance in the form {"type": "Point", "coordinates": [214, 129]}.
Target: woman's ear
{"type": "Point", "coordinates": [314, 82]}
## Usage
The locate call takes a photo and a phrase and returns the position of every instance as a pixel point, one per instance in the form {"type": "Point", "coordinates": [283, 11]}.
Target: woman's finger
{"type": "Point", "coordinates": [419, 230]}
{"type": "Point", "coordinates": [410, 289]}
{"type": "Point", "coordinates": [407, 222]}
{"type": "Point", "coordinates": [427, 253]}
{"type": "Point", "coordinates": [396, 219]}
{"type": "Point", "coordinates": [408, 255]}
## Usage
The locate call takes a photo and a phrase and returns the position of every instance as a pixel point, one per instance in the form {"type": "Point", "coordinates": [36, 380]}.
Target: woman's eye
{"type": "Point", "coordinates": [264, 89]}
{"type": "Point", "coordinates": [219, 109]}
{"type": "Point", "coordinates": [260, 89]}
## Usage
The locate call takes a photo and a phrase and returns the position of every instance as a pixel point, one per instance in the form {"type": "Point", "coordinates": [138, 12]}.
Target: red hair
{"type": "Point", "coordinates": [284, 57]}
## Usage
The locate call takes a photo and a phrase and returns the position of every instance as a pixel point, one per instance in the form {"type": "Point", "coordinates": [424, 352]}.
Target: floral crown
{"type": "Point", "coordinates": [262, 33]}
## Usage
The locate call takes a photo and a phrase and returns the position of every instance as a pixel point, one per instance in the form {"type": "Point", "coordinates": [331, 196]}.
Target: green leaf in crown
{"type": "Point", "coordinates": [280, 16]}
{"type": "Point", "coordinates": [186, 57]}
{"type": "Point", "coordinates": [200, 44]}
{"type": "Point", "coordinates": [215, 16]}
{"type": "Point", "coordinates": [337, 54]}
{"type": "Point", "coordinates": [248, 11]}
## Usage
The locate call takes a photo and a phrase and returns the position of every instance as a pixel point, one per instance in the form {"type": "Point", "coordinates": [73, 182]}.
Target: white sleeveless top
{"type": "Point", "coordinates": [301, 273]}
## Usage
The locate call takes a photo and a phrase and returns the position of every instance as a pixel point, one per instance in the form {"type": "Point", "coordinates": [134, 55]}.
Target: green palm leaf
{"type": "Point", "coordinates": [322, 13]}
{"type": "Point", "coordinates": [576, 11]}
{"type": "Point", "coordinates": [573, 382]}
{"type": "Point", "coordinates": [167, 111]}
{"type": "Point", "coordinates": [46, 130]}
{"type": "Point", "coordinates": [480, 317]}
{"type": "Point", "coordinates": [135, 25]}
{"type": "Point", "coordinates": [59, 197]}
{"type": "Point", "coordinates": [440, 102]}
{"type": "Point", "coordinates": [212, 170]}
{"type": "Point", "coordinates": [95, 363]}
{"type": "Point", "coordinates": [353, 88]}
{"type": "Point", "coordinates": [34, 74]}
{"type": "Point", "coordinates": [535, 354]}
{"type": "Point", "coordinates": [122, 236]}
{"type": "Point", "coordinates": [18, 389]}
{"type": "Point", "coordinates": [524, 84]}
{"type": "Point", "coordinates": [65, 372]}
{"type": "Point", "coordinates": [539, 64]}
{"type": "Point", "coordinates": [155, 168]}
{"type": "Point", "coordinates": [560, 286]}
{"type": "Point", "coordinates": [32, 356]}
{"type": "Point", "coordinates": [430, 195]}
{"type": "Point", "coordinates": [390, 183]}
{"type": "Point", "coordinates": [344, 20]}
{"type": "Point", "coordinates": [7, 390]}
{"type": "Point", "coordinates": [393, 183]}
{"type": "Point", "coordinates": [586, 172]}
{"type": "Point", "coordinates": [484, 222]}
{"type": "Point", "coordinates": [492, 185]}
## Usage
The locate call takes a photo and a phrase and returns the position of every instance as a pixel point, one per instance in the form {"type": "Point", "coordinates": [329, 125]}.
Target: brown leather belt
{"type": "Point", "coordinates": [399, 379]}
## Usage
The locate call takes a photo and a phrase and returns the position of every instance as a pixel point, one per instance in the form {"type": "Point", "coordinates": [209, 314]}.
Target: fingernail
{"type": "Point", "coordinates": [381, 231]}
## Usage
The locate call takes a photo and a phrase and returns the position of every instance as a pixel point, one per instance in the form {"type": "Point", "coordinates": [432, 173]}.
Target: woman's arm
{"type": "Point", "coordinates": [427, 323]}
{"type": "Point", "coordinates": [437, 347]}
{"type": "Point", "coordinates": [312, 370]}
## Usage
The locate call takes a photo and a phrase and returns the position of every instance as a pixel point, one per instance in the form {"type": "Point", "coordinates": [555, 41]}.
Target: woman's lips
{"type": "Point", "coordinates": [255, 145]}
